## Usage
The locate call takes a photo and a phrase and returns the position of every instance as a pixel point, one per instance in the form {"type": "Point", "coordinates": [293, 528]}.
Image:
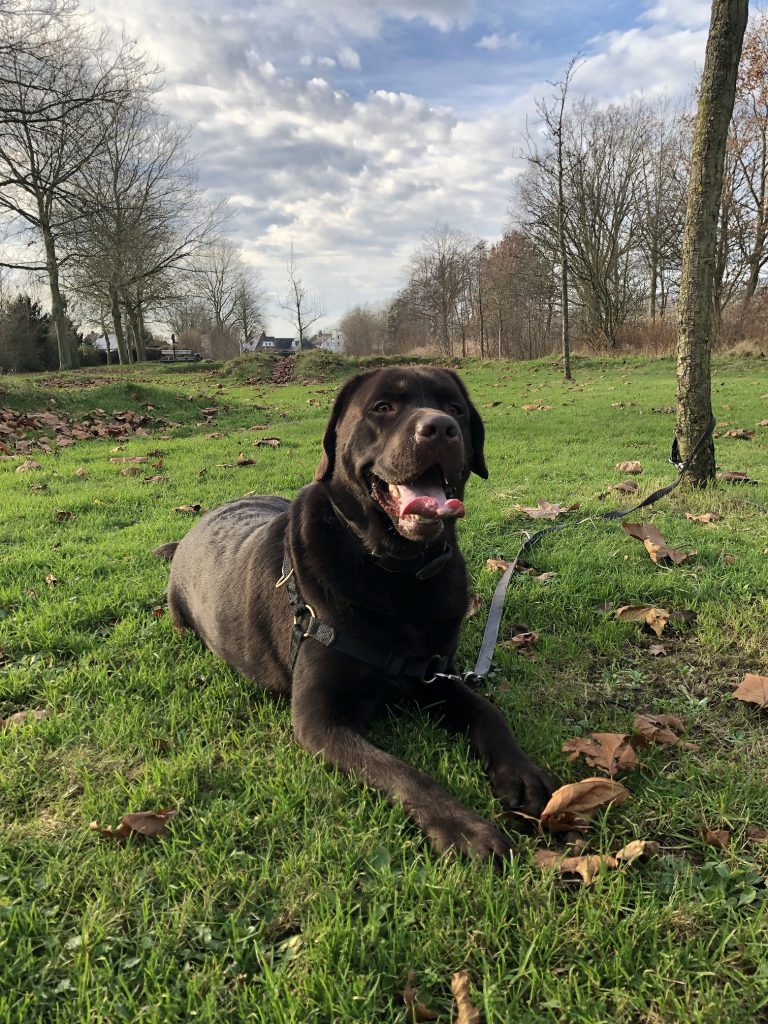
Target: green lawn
{"type": "Point", "coordinates": [287, 893]}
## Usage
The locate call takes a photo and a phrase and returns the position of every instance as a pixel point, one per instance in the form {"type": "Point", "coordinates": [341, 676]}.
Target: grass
{"type": "Point", "coordinates": [285, 892]}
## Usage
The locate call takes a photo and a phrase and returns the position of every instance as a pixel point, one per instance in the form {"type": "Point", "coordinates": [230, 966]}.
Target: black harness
{"type": "Point", "coordinates": [395, 666]}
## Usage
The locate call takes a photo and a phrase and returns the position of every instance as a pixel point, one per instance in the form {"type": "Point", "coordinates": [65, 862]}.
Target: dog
{"type": "Point", "coordinates": [350, 598]}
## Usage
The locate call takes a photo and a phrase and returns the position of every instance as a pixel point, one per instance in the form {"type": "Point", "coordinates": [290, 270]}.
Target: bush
{"type": "Point", "coordinates": [316, 364]}
{"type": "Point", "coordinates": [254, 366]}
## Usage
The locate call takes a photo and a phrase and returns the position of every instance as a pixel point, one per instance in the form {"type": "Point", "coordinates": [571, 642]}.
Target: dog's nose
{"type": "Point", "coordinates": [437, 427]}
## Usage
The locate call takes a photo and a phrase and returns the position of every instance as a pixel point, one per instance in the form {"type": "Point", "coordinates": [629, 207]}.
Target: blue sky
{"type": "Point", "coordinates": [350, 127]}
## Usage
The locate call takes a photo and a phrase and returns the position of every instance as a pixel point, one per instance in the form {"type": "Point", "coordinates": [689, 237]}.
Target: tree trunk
{"type": "Point", "coordinates": [135, 322]}
{"type": "Point", "coordinates": [58, 316]}
{"type": "Point", "coordinates": [123, 352]}
{"type": "Point", "coordinates": [716, 98]}
{"type": "Point", "coordinates": [106, 340]}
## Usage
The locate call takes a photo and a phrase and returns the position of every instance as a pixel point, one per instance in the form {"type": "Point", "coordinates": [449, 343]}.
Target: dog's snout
{"type": "Point", "coordinates": [437, 427]}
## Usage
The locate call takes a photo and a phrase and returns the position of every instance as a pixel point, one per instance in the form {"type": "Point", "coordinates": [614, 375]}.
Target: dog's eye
{"type": "Point", "coordinates": [455, 410]}
{"type": "Point", "coordinates": [383, 407]}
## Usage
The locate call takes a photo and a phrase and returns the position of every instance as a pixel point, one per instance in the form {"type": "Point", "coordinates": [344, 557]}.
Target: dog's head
{"type": "Point", "coordinates": [399, 447]}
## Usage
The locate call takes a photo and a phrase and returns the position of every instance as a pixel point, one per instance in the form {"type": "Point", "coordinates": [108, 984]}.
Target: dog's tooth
{"type": "Point", "coordinates": [394, 490]}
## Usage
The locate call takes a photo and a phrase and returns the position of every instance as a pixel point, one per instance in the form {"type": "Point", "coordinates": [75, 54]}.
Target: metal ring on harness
{"type": "Point", "coordinates": [436, 660]}
{"type": "Point", "coordinates": [299, 614]}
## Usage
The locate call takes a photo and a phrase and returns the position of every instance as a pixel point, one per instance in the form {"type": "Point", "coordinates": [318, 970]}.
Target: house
{"type": "Point", "coordinates": [331, 341]}
{"type": "Point", "coordinates": [266, 343]}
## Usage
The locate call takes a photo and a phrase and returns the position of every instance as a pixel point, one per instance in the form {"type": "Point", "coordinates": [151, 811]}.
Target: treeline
{"type": "Point", "coordinates": [624, 175]}
{"type": "Point", "coordinates": [100, 197]}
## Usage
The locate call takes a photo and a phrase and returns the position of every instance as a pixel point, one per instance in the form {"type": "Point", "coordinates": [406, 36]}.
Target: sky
{"type": "Point", "coordinates": [351, 127]}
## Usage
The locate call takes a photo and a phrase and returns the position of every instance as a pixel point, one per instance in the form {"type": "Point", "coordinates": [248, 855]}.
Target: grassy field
{"type": "Point", "coordinates": [286, 893]}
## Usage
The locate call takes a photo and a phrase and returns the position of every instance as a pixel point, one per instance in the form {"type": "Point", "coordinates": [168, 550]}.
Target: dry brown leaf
{"type": "Point", "coordinates": [144, 823]}
{"type": "Point", "coordinates": [755, 834]}
{"type": "Point", "coordinates": [467, 1012]}
{"type": "Point", "coordinates": [728, 559]}
{"type": "Point", "coordinates": [474, 604]}
{"type": "Point", "coordinates": [545, 577]}
{"type": "Point", "coordinates": [575, 805]}
{"type": "Point", "coordinates": [524, 641]}
{"type": "Point", "coordinates": [587, 866]}
{"type": "Point", "coordinates": [753, 689]}
{"type": "Point", "coordinates": [82, 473]}
{"type": "Point", "coordinates": [608, 750]}
{"type": "Point", "coordinates": [657, 651]}
{"type": "Point", "coordinates": [63, 514]}
{"type": "Point", "coordinates": [416, 1011]}
{"type": "Point", "coordinates": [51, 580]}
{"type": "Point", "coordinates": [654, 543]}
{"type": "Point", "coordinates": [708, 518]}
{"type": "Point", "coordinates": [717, 837]}
{"type": "Point", "coordinates": [130, 458]}
{"type": "Point", "coordinates": [536, 407]}
{"type": "Point", "coordinates": [189, 509]}
{"type": "Point", "coordinates": [663, 730]}
{"type": "Point", "coordinates": [497, 563]}
{"type": "Point", "coordinates": [629, 467]}
{"type": "Point", "coordinates": [243, 460]}
{"type": "Point", "coordinates": [158, 612]}
{"type": "Point", "coordinates": [763, 423]}
{"type": "Point", "coordinates": [627, 487]}
{"type": "Point", "coordinates": [269, 442]}
{"type": "Point", "coordinates": [741, 435]}
{"type": "Point", "coordinates": [656, 618]}
{"type": "Point", "coordinates": [24, 716]}
{"type": "Point", "coordinates": [638, 849]}
{"type": "Point", "coordinates": [546, 509]}
{"type": "Point", "coordinates": [736, 477]}
{"type": "Point", "coordinates": [27, 466]}
{"type": "Point", "coordinates": [158, 478]}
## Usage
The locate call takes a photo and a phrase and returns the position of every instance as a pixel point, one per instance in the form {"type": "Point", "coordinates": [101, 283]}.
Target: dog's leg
{"type": "Point", "coordinates": [327, 727]}
{"type": "Point", "coordinates": [515, 779]}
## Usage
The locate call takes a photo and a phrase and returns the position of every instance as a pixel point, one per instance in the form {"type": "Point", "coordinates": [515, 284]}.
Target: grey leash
{"type": "Point", "coordinates": [493, 624]}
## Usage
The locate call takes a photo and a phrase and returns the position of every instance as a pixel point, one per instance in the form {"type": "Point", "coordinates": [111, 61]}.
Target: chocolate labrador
{"type": "Point", "coordinates": [350, 598]}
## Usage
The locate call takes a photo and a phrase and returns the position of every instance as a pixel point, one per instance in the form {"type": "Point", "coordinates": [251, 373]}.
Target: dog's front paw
{"type": "Point", "coordinates": [467, 832]}
{"type": "Point", "coordinates": [522, 786]}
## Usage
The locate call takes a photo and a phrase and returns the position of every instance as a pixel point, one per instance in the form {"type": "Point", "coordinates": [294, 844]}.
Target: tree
{"type": "Point", "coordinates": [302, 308]}
{"type": "Point", "coordinates": [365, 330]}
{"type": "Point", "coordinates": [51, 94]}
{"type": "Point", "coordinates": [715, 106]}
{"type": "Point", "coordinates": [25, 337]}
{"type": "Point", "coordinates": [438, 282]}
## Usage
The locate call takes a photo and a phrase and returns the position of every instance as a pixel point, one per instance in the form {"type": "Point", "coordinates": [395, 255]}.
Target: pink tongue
{"type": "Point", "coordinates": [428, 500]}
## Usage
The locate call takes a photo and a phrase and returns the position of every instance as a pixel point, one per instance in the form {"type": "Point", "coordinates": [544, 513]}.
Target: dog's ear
{"type": "Point", "coordinates": [327, 462]}
{"type": "Point", "coordinates": [476, 432]}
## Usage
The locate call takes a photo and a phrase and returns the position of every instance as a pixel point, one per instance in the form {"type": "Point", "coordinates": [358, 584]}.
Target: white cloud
{"type": "Point", "coordinates": [513, 41]}
{"type": "Point", "coordinates": [349, 58]}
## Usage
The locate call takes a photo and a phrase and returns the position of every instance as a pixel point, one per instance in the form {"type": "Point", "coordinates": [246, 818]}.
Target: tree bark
{"type": "Point", "coordinates": [716, 99]}
{"type": "Point", "coordinates": [123, 351]}
{"type": "Point", "coordinates": [58, 315]}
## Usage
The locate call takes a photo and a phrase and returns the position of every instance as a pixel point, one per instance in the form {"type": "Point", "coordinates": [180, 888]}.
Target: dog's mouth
{"type": "Point", "coordinates": [419, 507]}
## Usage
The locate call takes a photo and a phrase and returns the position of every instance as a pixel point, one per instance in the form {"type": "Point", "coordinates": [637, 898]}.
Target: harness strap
{"type": "Point", "coordinates": [307, 625]}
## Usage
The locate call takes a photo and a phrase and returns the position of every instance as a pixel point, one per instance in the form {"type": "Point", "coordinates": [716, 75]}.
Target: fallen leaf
{"type": "Point", "coordinates": [735, 478]}
{"type": "Point", "coordinates": [215, 436]}
{"type": "Point", "coordinates": [474, 605]}
{"type": "Point", "coordinates": [158, 478]}
{"type": "Point", "coordinates": [663, 730]}
{"type": "Point", "coordinates": [763, 423]}
{"type": "Point", "coordinates": [608, 750]}
{"type": "Point", "coordinates": [130, 458]}
{"type": "Point", "coordinates": [657, 651]}
{"type": "Point", "coordinates": [524, 640]}
{"type": "Point", "coordinates": [741, 435]}
{"type": "Point", "coordinates": [546, 510]}
{"type": "Point", "coordinates": [654, 543]}
{"type": "Point", "coordinates": [627, 487]}
{"type": "Point", "coordinates": [755, 834]}
{"type": "Point", "coordinates": [27, 466]}
{"type": "Point", "coordinates": [545, 577]}
{"type": "Point", "coordinates": [243, 460]}
{"type": "Point", "coordinates": [656, 618]}
{"type": "Point", "coordinates": [467, 1013]}
{"type": "Point", "coordinates": [131, 471]}
{"type": "Point", "coordinates": [717, 837]}
{"type": "Point", "coordinates": [728, 559]}
{"type": "Point", "coordinates": [575, 805]}
{"type": "Point", "coordinates": [416, 1011]}
{"type": "Point", "coordinates": [587, 866]}
{"type": "Point", "coordinates": [82, 473]}
{"type": "Point", "coordinates": [144, 823]}
{"type": "Point", "coordinates": [195, 507]}
{"type": "Point", "coordinates": [497, 563]}
{"type": "Point", "coordinates": [23, 716]}
{"type": "Point", "coordinates": [708, 518]}
{"type": "Point", "coordinates": [664, 408]}
{"type": "Point", "coordinates": [536, 407]}
{"type": "Point", "coordinates": [63, 514]}
{"type": "Point", "coordinates": [51, 580]}
{"type": "Point", "coordinates": [753, 689]}
{"type": "Point", "coordinates": [629, 467]}
{"type": "Point", "coordinates": [638, 849]}
{"type": "Point", "coordinates": [158, 612]}
{"type": "Point", "coordinates": [271, 442]}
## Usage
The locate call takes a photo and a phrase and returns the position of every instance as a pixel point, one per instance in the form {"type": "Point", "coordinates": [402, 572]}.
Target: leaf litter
{"type": "Point", "coordinates": [143, 823]}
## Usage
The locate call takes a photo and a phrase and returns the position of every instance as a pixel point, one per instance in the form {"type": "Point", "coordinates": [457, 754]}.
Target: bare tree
{"type": "Point", "coordinates": [716, 99]}
{"type": "Point", "coordinates": [302, 308]}
{"type": "Point", "coordinates": [438, 281]}
{"type": "Point", "coordinates": [552, 116]}
{"type": "Point", "coordinates": [51, 96]}
{"type": "Point", "coordinates": [365, 330]}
